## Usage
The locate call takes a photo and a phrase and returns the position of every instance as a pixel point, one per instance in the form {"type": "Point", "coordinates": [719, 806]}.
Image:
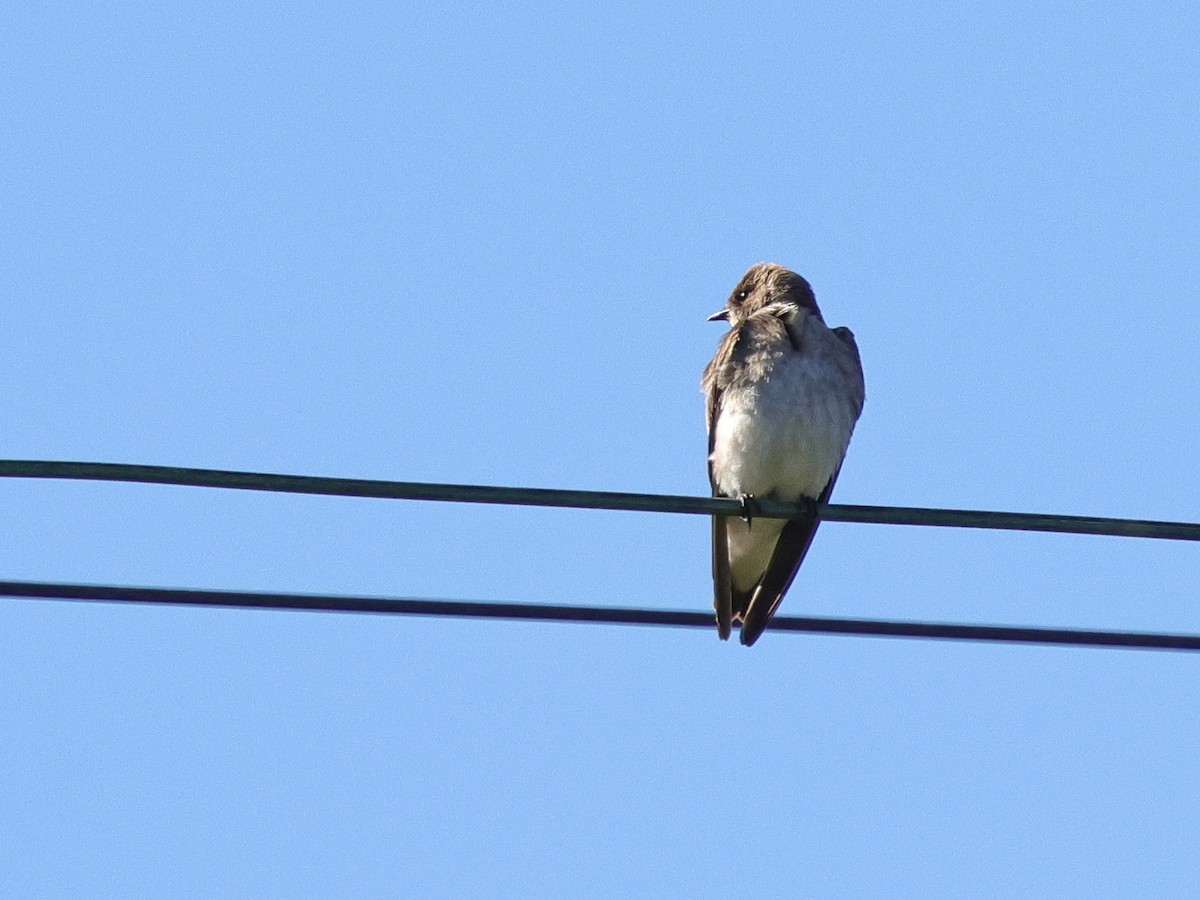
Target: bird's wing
{"type": "Point", "coordinates": [790, 550]}
{"type": "Point", "coordinates": [797, 535]}
{"type": "Point", "coordinates": [714, 382]}
{"type": "Point", "coordinates": [854, 364]}
{"type": "Point", "coordinates": [722, 582]}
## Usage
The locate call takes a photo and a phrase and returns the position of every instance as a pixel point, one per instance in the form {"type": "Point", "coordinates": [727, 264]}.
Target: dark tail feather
{"type": "Point", "coordinates": [790, 550]}
{"type": "Point", "coordinates": [722, 589]}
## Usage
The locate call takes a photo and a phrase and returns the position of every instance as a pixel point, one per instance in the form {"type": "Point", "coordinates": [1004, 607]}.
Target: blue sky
{"type": "Point", "coordinates": [478, 243]}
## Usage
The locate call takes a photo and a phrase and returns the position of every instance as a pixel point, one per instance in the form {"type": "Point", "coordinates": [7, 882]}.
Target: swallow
{"type": "Point", "coordinates": [783, 393]}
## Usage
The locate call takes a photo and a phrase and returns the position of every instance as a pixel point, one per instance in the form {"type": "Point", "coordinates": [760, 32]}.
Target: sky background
{"type": "Point", "coordinates": [477, 243]}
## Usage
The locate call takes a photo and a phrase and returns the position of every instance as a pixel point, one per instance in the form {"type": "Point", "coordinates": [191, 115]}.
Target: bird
{"type": "Point", "coordinates": [783, 393]}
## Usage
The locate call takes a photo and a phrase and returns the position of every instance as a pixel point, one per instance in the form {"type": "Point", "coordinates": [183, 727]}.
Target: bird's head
{"type": "Point", "coordinates": [767, 288]}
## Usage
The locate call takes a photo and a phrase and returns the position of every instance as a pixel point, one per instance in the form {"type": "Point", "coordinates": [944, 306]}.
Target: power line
{"type": "Point", "coordinates": [546, 612]}
{"type": "Point", "coordinates": [399, 490]}
{"type": "Point", "coordinates": [664, 503]}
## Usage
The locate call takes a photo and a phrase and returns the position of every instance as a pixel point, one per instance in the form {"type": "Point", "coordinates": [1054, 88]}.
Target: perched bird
{"type": "Point", "coordinates": [783, 393]}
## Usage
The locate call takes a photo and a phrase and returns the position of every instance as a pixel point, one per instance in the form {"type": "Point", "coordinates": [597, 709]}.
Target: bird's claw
{"type": "Point", "coordinates": [750, 509]}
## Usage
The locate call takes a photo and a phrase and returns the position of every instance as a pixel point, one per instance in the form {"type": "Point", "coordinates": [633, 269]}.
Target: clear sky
{"type": "Point", "coordinates": [477, 243]}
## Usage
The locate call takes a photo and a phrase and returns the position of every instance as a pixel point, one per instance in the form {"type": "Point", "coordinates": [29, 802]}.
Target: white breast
{"type": "Point", "coordinates": [786, 434]}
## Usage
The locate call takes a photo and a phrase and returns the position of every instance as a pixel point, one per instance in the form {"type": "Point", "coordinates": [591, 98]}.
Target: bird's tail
{"type": "Point", "coordinates": [790, 550]}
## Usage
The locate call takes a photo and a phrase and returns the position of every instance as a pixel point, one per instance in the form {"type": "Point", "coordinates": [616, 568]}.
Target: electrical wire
{"type": "Point", "coordinates": [400, 490]}
{"type": "Point", "coordinates": [664, 503]}
{"type": "Point", "coordinates": [545, 612]}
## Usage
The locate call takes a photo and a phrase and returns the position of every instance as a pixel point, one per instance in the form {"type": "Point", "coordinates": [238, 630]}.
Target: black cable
{"type": "Point", "coordinates": [545, 612]}
{"type": "Point", "coordinates": [667, 503]}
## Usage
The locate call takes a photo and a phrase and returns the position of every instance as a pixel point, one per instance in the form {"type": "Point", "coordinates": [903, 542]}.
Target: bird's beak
{"type": "Point", "coordinates": [722, 316]}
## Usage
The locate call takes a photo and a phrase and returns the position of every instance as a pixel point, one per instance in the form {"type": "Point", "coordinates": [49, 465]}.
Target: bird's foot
{"type": "Point", "coordinates": [750, 509]}
{"type": "Point", "coordinates": [810, 507]}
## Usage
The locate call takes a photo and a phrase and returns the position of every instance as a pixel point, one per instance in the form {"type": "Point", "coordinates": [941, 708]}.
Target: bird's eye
{"type": "Point", "coordinates": [741, 295]}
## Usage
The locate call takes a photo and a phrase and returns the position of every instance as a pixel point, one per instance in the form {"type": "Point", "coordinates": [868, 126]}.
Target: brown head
{"type": "Point", "coordinates": [767, 285]}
